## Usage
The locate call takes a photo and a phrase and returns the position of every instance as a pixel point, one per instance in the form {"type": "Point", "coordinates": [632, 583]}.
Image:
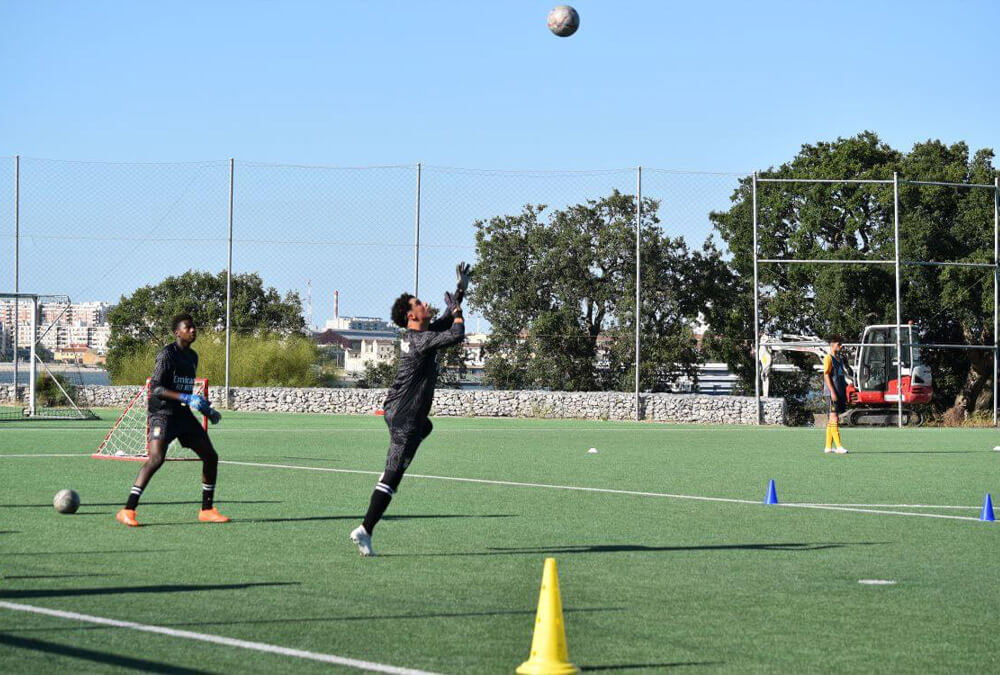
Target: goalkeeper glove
{"type": "Point", "coordinates": [195, 402]}
{"type": "Point", "coordinates": [452, 304]}
{"type": "Point", "coordinates": [462, 273]}
{"type": "Point", "coordinates": [213, 415]}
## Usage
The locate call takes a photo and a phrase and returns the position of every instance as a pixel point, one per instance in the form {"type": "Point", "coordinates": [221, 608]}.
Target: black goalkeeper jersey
{"type": "Point", "coordinates": [411, 394]}
{"type": "Point", "coordinates": [175, 369]}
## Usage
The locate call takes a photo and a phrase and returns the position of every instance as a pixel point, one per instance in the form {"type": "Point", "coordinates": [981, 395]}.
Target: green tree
{"type": "Point", "coordinates": [552, 289]}
{"type": "Point", "coordinates": [855, 221]}
{"type": "Point", "coordinates": [143, 317]}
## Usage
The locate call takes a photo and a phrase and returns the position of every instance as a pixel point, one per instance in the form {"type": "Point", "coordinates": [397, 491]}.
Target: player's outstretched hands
{"type": "Point", "coordinates": [462, 274]}
{"type": "Point", "coordinates": [450, 302]}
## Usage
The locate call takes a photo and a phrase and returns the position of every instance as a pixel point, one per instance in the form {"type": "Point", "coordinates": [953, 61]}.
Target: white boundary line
{"type": "Point", "coordinates": [218, 639]}
{"type": "Point", "coordinates": [634, 493]}
{"type": "Point", "coordinates": [63, 454]}
{"type": "Point", "coordinates": [856, 508]}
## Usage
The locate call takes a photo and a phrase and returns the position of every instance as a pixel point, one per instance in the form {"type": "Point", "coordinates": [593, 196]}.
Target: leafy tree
{"type": "Point", "coordinates": [554, 291]}
{"type": "Point", "coordinates": [144, 317]}
{"type": "Point", "coordinates": [855, 221]}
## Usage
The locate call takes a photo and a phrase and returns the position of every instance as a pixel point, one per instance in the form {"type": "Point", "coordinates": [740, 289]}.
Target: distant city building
{"type": "Point", "coordinates": [57, 326]}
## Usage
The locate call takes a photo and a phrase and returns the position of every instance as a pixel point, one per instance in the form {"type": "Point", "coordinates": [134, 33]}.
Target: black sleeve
{"type": "Point", "coordinates": [443, 322]}
{"type": "Point", "coordinates": [163, 371]}
{"type": "Point", "coordinates": [441, 339]}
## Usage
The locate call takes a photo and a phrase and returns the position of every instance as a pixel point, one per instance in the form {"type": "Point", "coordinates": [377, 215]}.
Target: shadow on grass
{"type": "Point", "coordinates": [637, 666]}
{"type": "Point", "coordinates": [140, 665]}
{"type": "Point", "coordinates": [252, 521]}
{"type": "Point", "coordinates": [56, 576]}
{"type": "Point", "coordinates": [118, 590]}
{"type": "Point", "coordinates": [639, 548]}
{"type": "Point", "coordinates": [361, 617]}
{"type": "Point", "coordinates": [72, 553]}
{"type": "Point", "coordinates": [144, 503]}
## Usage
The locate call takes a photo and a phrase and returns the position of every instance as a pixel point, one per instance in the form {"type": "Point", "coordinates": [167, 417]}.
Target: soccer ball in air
{"type": "Point", "coordinates": [563, 20]}
{"type": "Point", "coordinates": [66, 501]}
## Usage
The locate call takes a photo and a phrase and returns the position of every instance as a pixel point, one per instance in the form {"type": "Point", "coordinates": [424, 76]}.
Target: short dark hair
{"type": "Point", "coordinates": [179, 319]}
{"type": "Point", "coordinates": [401, 308]}
{"type": "Point", "coordinates": [835, 337]}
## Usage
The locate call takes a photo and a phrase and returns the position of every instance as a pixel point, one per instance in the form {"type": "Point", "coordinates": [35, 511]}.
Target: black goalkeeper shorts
{"type": "Point", "coordinates": [404, 439]}
{"type": "Point", "coordinates": [182, 426]}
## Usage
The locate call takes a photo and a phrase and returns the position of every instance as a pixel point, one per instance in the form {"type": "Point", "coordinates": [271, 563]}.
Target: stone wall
{"type": "Point", "coordinates": [693, 408]}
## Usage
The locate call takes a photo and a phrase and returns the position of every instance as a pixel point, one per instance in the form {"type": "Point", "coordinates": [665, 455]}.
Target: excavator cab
{"type": "Point", "coordinates": [877, 370]}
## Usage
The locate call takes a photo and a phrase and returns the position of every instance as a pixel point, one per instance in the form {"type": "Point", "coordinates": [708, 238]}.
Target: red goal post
{"type": "Point", "coordinates": [128, 438]}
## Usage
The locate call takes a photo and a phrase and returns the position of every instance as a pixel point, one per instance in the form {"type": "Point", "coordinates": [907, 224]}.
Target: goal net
{"type": "Point", "coordinates": [42, 353]}
{"type": "Point", "coordinates": [129, 436]}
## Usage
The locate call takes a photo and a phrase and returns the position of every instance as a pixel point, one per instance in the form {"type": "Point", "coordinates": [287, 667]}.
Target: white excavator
{"type": "Point", "coordinates": [872, 383]}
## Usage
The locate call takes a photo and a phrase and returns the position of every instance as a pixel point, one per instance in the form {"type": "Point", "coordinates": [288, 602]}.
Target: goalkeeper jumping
{"type": "Point", "coordinates": [169, 416]}
{"type": "Point", "coordinates": [408, 402]}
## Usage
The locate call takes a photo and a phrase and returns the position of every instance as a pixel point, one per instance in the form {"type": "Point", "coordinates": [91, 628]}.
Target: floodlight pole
{"type": "Point", "coordinates": [416, 237]}
{"type": "Point", "coordinates": [996, 287]}
{"type": "Point", "coordinates": [33, 325]}
{"type": "Point", "coordinates": [638, 278]}
{"type": "Point", "coordinates": [756, 306]}
{"type": "Point", "coordinates": [899, 327]}
{"type": "Point", "coordinates": [17, 263]}
{"type": "Point", "coordinates": [229, 278]}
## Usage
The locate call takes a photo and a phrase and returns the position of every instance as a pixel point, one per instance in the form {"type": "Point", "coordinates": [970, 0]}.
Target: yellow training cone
{"type": "Point", "coordinates": [548, 646]}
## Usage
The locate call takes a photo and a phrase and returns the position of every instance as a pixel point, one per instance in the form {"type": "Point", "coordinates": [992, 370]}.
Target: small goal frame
{"type": "Point", "coordinates": [136, 406]}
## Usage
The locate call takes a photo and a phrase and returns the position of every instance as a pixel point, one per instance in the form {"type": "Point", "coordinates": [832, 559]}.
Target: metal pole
{"type": "Point", "coordinates": [899, 328]}
{"type": "Point", "coordinates": [17, 263]}
{"type": "Point", "coordinates": [229, 278]}
{"type": "Point", "coordinates": [996, 287]}
{"type": "Point", "coordinates": [756, 305]}
{"type": "Point", "coordinates": [638, 278]}
{"type": "Point", "coordinates": [31, 355]}
{"type": "Point", "coordinates": [416, 237]}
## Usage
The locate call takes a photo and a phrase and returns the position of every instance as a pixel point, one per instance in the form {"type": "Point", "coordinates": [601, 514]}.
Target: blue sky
{"type": "Point", "coordinates": [723, 86]}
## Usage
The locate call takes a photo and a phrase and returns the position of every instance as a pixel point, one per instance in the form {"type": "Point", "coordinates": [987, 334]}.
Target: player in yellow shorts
{"type": "Point", "coordinates": [835, 378]}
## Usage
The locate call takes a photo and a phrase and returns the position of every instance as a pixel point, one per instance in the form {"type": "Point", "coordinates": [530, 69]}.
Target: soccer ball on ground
{"type": "Point", "coordinates": [66, 501]}
{"type": "Point", "coordinates": [563, 20]}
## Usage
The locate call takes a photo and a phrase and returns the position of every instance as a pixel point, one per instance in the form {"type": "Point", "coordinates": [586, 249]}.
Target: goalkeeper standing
{"type": "Point", "coordinates": [408, 402]}
{"type": "Point", "coordinates": [169, 416]}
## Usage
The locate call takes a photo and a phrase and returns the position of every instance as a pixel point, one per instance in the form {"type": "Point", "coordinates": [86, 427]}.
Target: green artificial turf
{"type": "Point", "coordinates": [648, 582]}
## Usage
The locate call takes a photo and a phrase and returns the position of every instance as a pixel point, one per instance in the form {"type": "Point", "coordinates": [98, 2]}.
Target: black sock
{"type": "Point", "coordinates": [133, 498]}
{"type": "Point", "coordinates": [381, 496]}
{"type": "Point", "coordinates": [207, 496]}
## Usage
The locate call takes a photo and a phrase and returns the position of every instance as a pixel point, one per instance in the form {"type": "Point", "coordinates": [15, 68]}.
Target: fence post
{"type": "Point", "coordinates": [17, 264]}
{"type": "Point", "coordinates": [229, 279]}
{"type": "Point", "coordinates": [638, 278]}
{"type": "Point", "coordinates": [996, 286]}
{"type": "Point", "coordinates": [416, 237]}
{"type": "Point", "coordinates": [756, 305]}
{"type": "Point", "coordinates": [899, 327]}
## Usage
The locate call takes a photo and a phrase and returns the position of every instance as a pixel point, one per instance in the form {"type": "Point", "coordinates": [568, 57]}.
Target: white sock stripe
{"type": "Point", "coordinates": [136, 490]}
{"type": "Point", "coordinates": [382, 487]}
{"type": "Point", "coordinates": [205, 486]}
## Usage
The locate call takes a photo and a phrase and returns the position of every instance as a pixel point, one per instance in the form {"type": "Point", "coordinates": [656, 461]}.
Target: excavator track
{"type": "Point", "coordinates": [880, 417]}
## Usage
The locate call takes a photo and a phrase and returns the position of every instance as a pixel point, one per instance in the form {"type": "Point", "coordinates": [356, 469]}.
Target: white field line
{"type": "Point", "coordinates": [577, 488]}
{"type": "Point", "coordinates": [859, 508]}
{"type": "Point", "coordinates": [217, 639]}
{"type": "Point", "coordinates": [51, 454]}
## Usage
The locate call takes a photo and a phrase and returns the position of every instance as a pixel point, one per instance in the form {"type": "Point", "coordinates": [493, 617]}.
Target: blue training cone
{"type": "Point", "coordinates": [772, 494]}
{"type": "Point", "coordinates": [987, 512]}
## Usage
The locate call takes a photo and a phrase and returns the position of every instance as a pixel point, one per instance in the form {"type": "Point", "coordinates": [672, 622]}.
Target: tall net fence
{"type": "Point", "coordinates": [318, 255]}
{"type": "Point", "coordinates": [856, 258]}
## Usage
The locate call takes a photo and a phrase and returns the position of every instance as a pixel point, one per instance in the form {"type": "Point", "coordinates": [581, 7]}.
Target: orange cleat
{"type": "Point", "coordinates": [127, 517]}
{"type": "Point", "coordinates": [212, 515]}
